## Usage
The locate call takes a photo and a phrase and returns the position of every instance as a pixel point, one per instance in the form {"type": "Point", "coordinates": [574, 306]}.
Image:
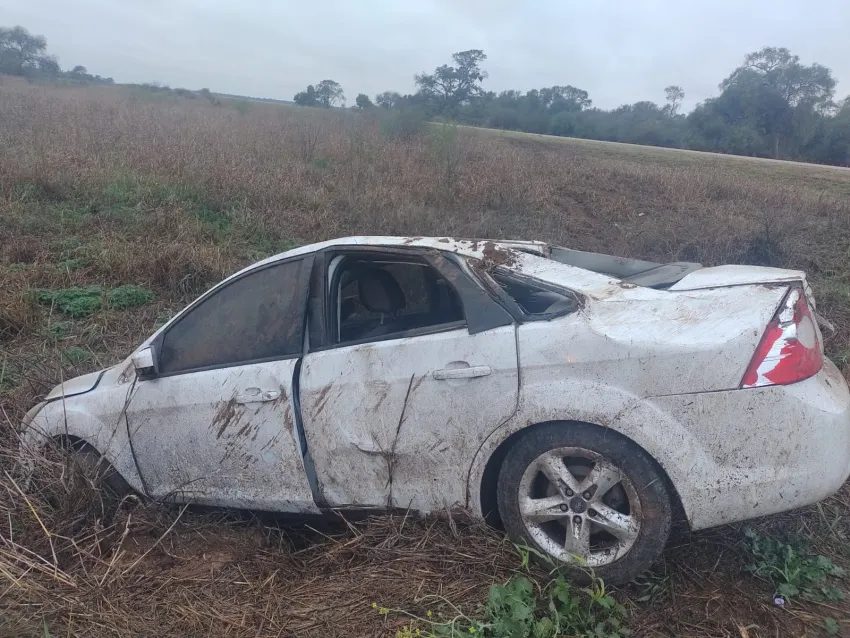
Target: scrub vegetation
{"type": "Point", "coordinates": [118, 206]}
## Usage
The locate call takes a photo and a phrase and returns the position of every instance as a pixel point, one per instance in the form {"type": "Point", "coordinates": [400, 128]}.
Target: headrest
{"type": "Point", "coordinates": [379, 291]}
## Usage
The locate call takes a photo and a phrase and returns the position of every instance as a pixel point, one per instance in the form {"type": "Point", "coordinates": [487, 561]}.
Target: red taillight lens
{"type": "Point", "coordinates": [790, 349]}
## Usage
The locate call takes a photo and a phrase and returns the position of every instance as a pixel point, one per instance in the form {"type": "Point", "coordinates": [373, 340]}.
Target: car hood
{"type": "Point", "coordinates": [736, 276]}
{"type": "Point", "coordinates": [77, 385]}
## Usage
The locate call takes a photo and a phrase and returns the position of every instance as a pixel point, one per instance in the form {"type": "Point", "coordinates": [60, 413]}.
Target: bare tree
{"type": "Point", "coordinates": [674, 95]}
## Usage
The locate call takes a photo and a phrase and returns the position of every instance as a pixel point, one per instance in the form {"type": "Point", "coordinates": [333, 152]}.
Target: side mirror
{"type": "Point", "coordinates": [145, 363]}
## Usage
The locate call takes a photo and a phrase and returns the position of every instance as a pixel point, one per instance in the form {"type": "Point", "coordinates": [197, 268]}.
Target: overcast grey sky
{"type": "Point", "coordinates": [620, 51]}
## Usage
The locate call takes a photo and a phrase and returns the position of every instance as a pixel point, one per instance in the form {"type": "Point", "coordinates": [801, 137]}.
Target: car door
{"type": "Point", "coordinates": [406, 382]}
{"type": "Point", "coordinates": [216, 425]}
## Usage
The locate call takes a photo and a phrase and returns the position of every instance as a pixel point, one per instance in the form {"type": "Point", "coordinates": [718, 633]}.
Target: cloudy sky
{"type": "Point", "coordinates": [619, 50]}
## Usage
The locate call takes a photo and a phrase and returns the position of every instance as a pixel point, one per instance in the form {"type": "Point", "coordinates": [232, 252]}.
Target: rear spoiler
{"type": "Point", "coordinates": [649, 274]}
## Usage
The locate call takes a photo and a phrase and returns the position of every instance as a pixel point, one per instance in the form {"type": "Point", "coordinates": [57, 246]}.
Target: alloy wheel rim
{"type": "Point", "coordinates": [579, 507]}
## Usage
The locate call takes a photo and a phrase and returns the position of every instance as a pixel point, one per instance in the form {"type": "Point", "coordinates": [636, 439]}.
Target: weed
{"type": "Point", "coordinates": [265, 244]}
{"type": "Point", "coordinates": [76, 355]}
{"type": "Point", "coordinates": [71, 264]}
{"type": "Point", "coordinates": [403, 124]}
{"type": "Point", "coordinates": [128, 296]}
{"type": "Point", "coordinates": [125, 190]}
{"type": "Point", "coordinates": [217, 220]}
{"type": "Point", "coordinates": [8, 379]}
{"type": "Point", "coordinates": [522, 608]}
{"type": "Point", "coordinates": [32, 191]}
{"type": "Point", "coordinates": [163, 317]}
{"type": "Point", "coordinates": [59, 329]}
{"type": "Point", "coordinates": [792, 571]}
{"type": "Point", "coordinates": [75, 302]}
{"type": "Point", "coordinates": [306, 140]}
{"type": "Point", "coordinates": [651, 587]}
{"type": "Point", "coordinates": [79, 302]}
{"type": "Point", "coordinates": [447, 153]}
{"type": "Point", "coordinates": [831, 626]}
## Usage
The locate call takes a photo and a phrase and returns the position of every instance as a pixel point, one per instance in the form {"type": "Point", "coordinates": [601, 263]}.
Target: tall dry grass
{"type": "Point", "coordinates": [110, 186]}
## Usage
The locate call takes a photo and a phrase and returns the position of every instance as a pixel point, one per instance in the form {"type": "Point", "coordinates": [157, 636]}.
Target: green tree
{"type": "Point", "coordinates": [306, 97]}
{"type": "Point", "coordinates": [21, 52]}
{"type": "Point", "coordinates": [449, 87]}
{"type": "Point", "coordinates": [564, 98]}
{"type": "Point", "coordinates": [363, 102]}
{"type": "Point", "coordinates": [773, 96]}
{"type": "Point", "coordinates": [329, 93]}
{"type": "Point", "coordinates": [326, 93]}
{"type": "Point", "coordinates": [388, 99]}
{"type": "Point", "coordinates": [779, 69]}
{"type": "Point", "coordinates": [750, 117]}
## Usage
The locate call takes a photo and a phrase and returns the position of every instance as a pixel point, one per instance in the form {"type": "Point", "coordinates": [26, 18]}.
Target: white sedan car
{"type": "Point", "coordinates": [577, 399]}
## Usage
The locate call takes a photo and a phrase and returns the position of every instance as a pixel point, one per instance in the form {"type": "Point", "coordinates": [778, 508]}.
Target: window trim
{"type": "Point", "coordinates": [304, 281]}
{"type": "Point", "coordinates": [332, 290]}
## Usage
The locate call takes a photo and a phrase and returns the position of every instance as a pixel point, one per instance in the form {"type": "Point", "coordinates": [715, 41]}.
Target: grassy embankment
{"type": "Point", "coordinates": [117, 207]}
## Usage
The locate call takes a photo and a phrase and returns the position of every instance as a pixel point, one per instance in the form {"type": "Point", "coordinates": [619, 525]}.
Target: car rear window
{"type": "Point", "coordinates": [533, 299]}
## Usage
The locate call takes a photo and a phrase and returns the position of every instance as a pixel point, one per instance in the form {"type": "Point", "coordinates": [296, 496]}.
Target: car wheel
{"type": "Point", "coordinates": [98, 472]}
{"type": "Point", "coordinates": [586, 497]}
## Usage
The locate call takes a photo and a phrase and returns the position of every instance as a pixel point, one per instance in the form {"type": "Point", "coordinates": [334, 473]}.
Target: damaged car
{"type": "Point", "coordinates": [579, 400]}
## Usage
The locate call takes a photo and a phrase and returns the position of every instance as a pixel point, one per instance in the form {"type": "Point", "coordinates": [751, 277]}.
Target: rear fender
{"type": "Point", "coordinates": [673, 447]}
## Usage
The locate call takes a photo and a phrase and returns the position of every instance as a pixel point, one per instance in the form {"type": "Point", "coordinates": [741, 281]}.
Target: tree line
{"type": "Point", "coordinates": [771, 106]}
{"type": "Point", "coordinates": [25, 54]}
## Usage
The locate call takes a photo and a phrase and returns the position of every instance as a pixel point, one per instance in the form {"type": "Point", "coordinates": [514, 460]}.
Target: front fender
{"type": "Point", "coordinates": [673, 447]}
{"type": "Point", "coordinates": [72, 417]}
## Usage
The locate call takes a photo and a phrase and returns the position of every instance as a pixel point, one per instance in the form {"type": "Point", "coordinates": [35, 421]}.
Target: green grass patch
{"type": "Point", "coordinates": [128, 296]}
{"type": "Point", "coordinates": [217, 220]}
{"type": "Point", "coordinates": [262, 245]}
{"type": "Point", "coordinates": [793, 571]}
{"type": "Point", "coordinates": [526, 607]}
{"type": "Point", "coordinates": [33, 192]}
{"type": "Point", "coordinates": [59, 329]}
{"type": "Point", "coordinates": [71, 264]}
{"type": "Point", "coordinates": [8, 378]}
{"type": "Point", "coordinates": [521, 608]}
{"type": "Point", "coordinates": [74, 302]}
{"type": "Point", "coordinates": [76, 355]}
{"type": "Point", "coordinates": [78, 302]}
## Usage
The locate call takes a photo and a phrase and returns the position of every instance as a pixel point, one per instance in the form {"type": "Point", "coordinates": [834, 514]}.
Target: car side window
{"type": "Point", "coordinates": [535, 300]}
{"type": "Point", "coordinates": [376, 299]}
{"type": "Point", "coordinates": [257, 316]}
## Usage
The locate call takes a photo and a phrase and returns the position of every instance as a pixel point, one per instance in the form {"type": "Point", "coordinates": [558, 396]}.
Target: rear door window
{"type": "Point", "coordinates": [376, 299]}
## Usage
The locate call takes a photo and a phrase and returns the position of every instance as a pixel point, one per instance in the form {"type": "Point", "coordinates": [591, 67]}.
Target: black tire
{"type": "Point", "coordinates": [98, 471]}
{"type": "Point", "coordinates": [643, 476]}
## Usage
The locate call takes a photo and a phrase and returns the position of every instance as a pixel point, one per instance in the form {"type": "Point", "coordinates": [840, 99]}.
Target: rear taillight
{"type": "Point", "coordinates": [790, 349]}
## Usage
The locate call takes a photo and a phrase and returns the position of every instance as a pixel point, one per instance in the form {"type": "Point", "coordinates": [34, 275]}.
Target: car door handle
{"type": "Point", "coordinates": [256, 395]}
{"type": "Point", "coordinates": [461, 373]}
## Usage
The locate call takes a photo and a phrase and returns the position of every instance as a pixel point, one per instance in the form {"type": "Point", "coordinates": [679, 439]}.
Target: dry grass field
{"type": "Point", "coordinates": [141, 201]}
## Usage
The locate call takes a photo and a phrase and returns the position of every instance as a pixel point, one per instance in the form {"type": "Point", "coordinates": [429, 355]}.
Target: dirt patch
{"type": "Point", "coordinates": [226, 415]}
{"type": "Point", "coordinates": [496, 255]}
